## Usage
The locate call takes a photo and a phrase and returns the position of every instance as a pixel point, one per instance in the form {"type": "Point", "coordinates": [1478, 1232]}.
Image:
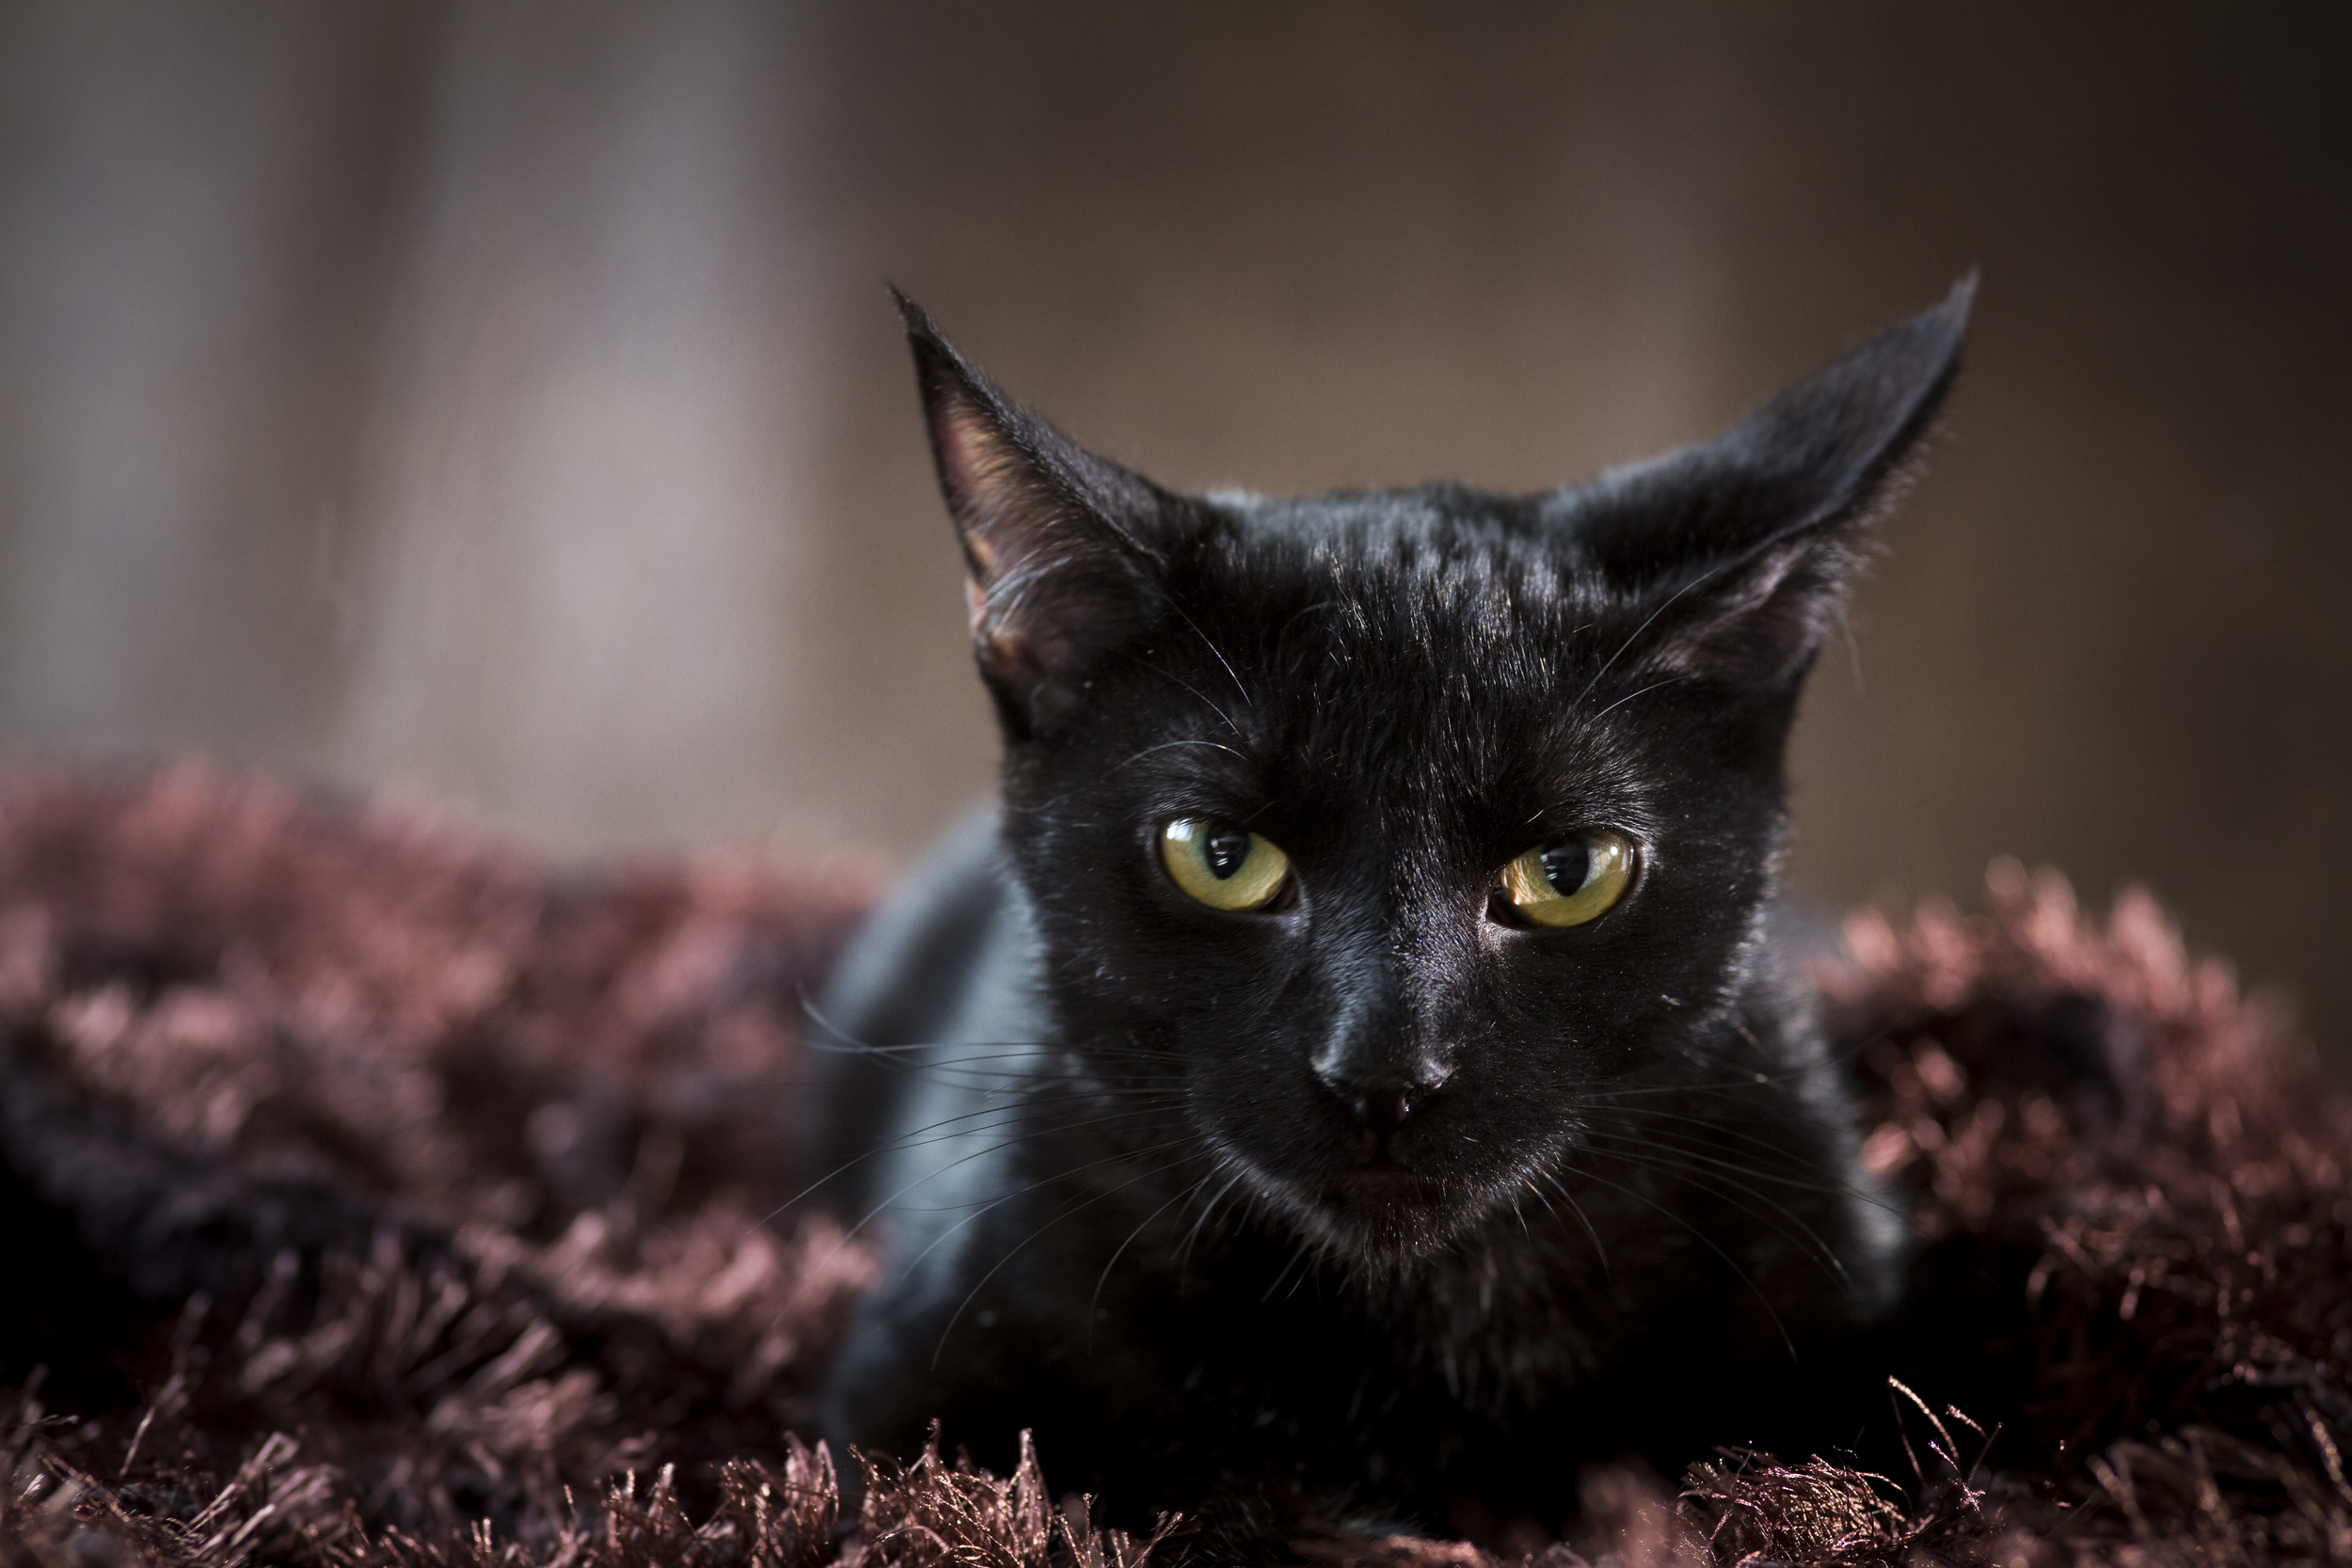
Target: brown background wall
{"type": "Point", "coordinates": [500, 398]}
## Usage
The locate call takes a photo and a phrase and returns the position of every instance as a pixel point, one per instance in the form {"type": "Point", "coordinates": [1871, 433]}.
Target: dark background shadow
{"type": "Point", "coordinates": [502, 399]}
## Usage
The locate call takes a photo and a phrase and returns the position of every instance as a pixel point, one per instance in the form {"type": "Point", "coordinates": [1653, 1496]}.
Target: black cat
{"type": "Point", "coordinates": [1358, 1070]}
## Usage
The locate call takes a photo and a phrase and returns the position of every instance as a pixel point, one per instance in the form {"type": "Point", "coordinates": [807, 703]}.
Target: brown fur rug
{"type": "Point", "coordinates": [373, 1195]}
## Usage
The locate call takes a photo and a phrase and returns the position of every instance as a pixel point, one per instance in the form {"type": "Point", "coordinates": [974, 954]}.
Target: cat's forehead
{"type": "Point", "coordinates": [1381, 691]}
{"type": "Point", "coordinates": [1443, 518]}
{"type": "Point", "coordinates": [1433, 634]}
{"type": "Point", "coordinates": [1445, 568]}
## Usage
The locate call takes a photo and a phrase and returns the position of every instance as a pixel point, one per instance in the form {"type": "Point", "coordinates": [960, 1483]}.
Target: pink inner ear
{"type": "Point", "coordinates": [975, 604]}
{"type": "Point", "coordinates": [1012, 531]}
{"type": "Point", "coordinates": [986, 483]}
{"type": "Point", "coordinates": [1005, 644]}
{"type": "Point", "coordinates": [1764, 623]}
{"type": "Point", "coordinates": [984, 479]}
{"type": "Point", "coordinates": [1049, 583]}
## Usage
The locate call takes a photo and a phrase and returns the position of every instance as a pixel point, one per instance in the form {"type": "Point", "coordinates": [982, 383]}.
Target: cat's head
{"type": "Point", "coordinates": [1385, 826]}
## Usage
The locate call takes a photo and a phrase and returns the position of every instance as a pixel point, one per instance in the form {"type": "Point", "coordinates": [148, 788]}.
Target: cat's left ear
{"type": "Point", "coordinates": [1062, 548]}
{"type": "Point", "coordinates": [1743, 546]}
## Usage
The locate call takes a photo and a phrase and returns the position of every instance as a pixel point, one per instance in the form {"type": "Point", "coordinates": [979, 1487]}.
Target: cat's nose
{"type": "Point", "coordinates": [1384, 1109]}
{"type": "Point", "coordinates": [1382, 1102]}
{"type": "Point", "coordinates": [1378, 1061]}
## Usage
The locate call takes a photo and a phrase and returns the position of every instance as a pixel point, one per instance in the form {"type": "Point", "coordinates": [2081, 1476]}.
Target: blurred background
{"type": "Point", "coordinates": [500, 401]}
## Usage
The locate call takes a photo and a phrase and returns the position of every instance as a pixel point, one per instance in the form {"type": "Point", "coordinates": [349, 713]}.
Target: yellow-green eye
{"type": "Point", "coordinates": [1569, 884]}
{"type": "Point", "coordinates": [1223, 865]}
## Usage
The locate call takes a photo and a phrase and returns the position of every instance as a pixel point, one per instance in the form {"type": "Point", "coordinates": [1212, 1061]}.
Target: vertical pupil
{"type": "Point", "coordinates": [1568, 866]}
{"type": "Point", "coordinates": [1224, 849]}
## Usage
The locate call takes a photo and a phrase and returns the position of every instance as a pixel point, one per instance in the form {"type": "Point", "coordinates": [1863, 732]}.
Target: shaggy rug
{"type": "Point", "coordinates": [372, 1194]}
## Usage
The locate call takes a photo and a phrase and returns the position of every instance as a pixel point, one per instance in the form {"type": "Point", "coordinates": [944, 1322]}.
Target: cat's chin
{"type": "Point", "coordinates": [1382, 1221]}
{"type": "Point", "coordinates": [1382, 1189]}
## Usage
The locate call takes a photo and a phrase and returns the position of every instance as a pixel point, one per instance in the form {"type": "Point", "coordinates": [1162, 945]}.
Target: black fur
{"type": "Point", "coordinates": [1126, 1147]}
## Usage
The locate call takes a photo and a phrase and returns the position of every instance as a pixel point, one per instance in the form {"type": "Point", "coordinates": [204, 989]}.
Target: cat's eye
{"type": "Point", "coordinates": [1570, 882]}
{"type": "Point", "coordinates": [1222, 863]}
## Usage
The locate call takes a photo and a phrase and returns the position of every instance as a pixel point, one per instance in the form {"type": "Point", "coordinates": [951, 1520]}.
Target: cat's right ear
{"type": "Point", "coordinates": [1058, 544]}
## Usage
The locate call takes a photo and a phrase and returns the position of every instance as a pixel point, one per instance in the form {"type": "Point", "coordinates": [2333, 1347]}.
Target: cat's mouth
{"type": "Point", "coordinates": [1384, 1216]}
{"type": "Point", "coordinates": [1384, 1185]}
{"type": "Point", "coordinates": [1379, 1215]}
